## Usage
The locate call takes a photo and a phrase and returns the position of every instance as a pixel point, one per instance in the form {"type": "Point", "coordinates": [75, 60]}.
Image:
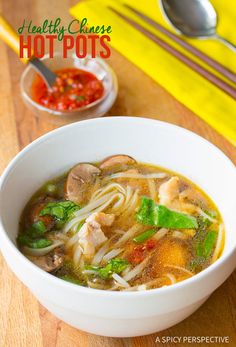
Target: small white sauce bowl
{"type": "Point", "coordinates": [98, 108]}
{"type": "Point", "coordinates": [118, 313]}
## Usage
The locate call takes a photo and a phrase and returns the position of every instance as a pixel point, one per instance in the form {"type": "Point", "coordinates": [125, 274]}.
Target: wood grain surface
{"type": "Point", "coordinates": [23, 321]}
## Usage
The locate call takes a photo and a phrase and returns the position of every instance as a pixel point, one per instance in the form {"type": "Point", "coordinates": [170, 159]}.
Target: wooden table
{"type": "Point", "coordinates": [23, 321]}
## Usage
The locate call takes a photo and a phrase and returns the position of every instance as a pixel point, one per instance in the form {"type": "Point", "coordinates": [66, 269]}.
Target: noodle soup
{"type": "Point", "coordinates": [121, 225]}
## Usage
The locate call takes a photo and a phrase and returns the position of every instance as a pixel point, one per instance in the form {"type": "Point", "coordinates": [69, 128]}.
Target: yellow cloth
{"type": "Point", "coordinates": [206, 100]}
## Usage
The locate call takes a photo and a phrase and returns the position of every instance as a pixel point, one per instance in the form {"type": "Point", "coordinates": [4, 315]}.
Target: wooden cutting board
{"type": "Point", "coordinates": [23, 321]}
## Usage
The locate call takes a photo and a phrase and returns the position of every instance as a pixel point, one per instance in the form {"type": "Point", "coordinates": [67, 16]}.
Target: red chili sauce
{"type": "Point", "coordinates": [73, 88]}
{"type": "Point", "coordinates": [139, 253]}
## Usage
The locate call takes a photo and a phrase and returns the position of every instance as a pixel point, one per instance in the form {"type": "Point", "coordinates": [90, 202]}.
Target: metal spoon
{"type": "Point", "coordinates": [10, 37]}
{"type": "Point", "coordinates": [193, 18]}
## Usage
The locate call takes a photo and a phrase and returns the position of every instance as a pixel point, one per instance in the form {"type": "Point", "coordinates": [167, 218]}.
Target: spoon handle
{"type": "Point", "coordinates": [10, 37]}
{"type": "Point", "coordinates": [227, 43]}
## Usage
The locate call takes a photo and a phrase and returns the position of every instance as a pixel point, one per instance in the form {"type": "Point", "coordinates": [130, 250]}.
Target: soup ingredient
{"type": "Point", "coordinates": [171, 252]}
{"type": "Point", "coordinates": [47, 220]}
{"type": "Point", "coordinates": [101, 218]}
{"type": "Point", "coordinates": [139, 253]}
{"type": "Point", "coordinates": [115, 265]}
{"type": "Point", "coordinates": [73, 89]}
{"type": "Point", "coordinates": [204, 249]}
{"type": "Point", "coordinates": [116, 161]}
{"type": "Point", "coordinates": [37, 229]}
{"type": "Point", "coordinates": [100, 226]}
{"type": "Point", "coordinates": [61, 211]}
{"type": "Point", "coordinates": [78, 180]}
{"type": "Point", "coordinates": [206, 245]}
{"type": "Point", "coordinates": [91, 235]}
{"type": "Point", "coordinates": [160, 216]}
{"type": "Point", "coordinates": [144, 236]}
{"type": "Point", "coordinates": [50, 262]}
{"type": "Point", "coordinates": [169, 191]}
{"type": "Point", "coordinates": [37, 252]}
{"type": "Point", "coordinates": [26, 240]}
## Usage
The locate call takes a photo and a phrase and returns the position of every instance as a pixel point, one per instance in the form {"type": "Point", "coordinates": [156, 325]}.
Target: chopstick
{"type": "Point", "coordinates": [210, 61]}
{"type": "Point", "coordinates": [215, 80]}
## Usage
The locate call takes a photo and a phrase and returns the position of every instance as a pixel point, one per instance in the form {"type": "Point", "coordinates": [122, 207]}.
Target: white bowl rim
{"type": "Point", "coordinates": [122, 294]}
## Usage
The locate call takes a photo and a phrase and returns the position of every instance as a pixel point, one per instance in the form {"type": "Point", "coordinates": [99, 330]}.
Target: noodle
{"type": "Point", "coordinates": [120, 281]}
{"type": "Point", "coordinates": [171, 278]}
{"type": "Point", "coordinates": [130, 233]}
{"type": "Point", "coordinates": [99, 202]}
{"type": "Point", "coordinates": [112, 254]}
{"type": "Point", "coordinates": [133, 203]}
{"type": "Point", "coordinates": [161, 233]}
{"type": "Point", "coordinates": [153, 190]}
{"type": "Point", "coordinates": [180, 268]}
{"type": "Point", "coordinates": [100, 253]}
{"type": "Point", "coordinates": [136, 270]}
{"type": "Point", "coordinates": [136, 176]}
{"type": "Point", "coordinates": [42, 251]}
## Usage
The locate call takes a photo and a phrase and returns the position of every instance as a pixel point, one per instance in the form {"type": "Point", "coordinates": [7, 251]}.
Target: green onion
{"type": "Point", "coordinates": [37, 229]}
{"type": "Point", "coordinates": [144, 236]}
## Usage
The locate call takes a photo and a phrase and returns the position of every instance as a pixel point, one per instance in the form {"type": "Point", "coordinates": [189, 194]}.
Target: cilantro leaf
{"type": "Point", "coordinates": [37, 229]}
{"type": "Point", "coordinates": [62, 211]}
{"type": "Point", "coordinates": [116, 265]}
{"type": "Point", "coordinates": [25, 240]}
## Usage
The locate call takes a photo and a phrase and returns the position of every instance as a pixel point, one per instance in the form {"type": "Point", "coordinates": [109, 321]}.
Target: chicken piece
{"type": "Point", "coordinates": [169, 191]}
{"type": "Point", "coordinates": [91, 235]}
{"type": "Point", "coordinates": [101, 218]}
{"type": "Point", "coordinates": [170, 196]}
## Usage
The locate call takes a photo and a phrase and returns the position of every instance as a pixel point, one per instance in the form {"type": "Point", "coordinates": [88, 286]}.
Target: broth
{"type": "Point", "coordinates": [121, 225]}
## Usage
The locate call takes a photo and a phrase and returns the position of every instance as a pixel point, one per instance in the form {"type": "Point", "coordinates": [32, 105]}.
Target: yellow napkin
{"type": "Point", "coordinates": [207, 101]}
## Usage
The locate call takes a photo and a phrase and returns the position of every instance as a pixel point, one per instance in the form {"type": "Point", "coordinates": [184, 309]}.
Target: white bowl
{"type": "Point", "coordinates": [118, 313]}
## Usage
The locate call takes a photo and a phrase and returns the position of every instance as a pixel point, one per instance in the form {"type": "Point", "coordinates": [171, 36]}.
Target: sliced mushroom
{"type": "Point", "coordinates": [78, 179]}
{"type": "Point", "coordinates": [117, 161]}
{"type": "Point", "coordinates": [52, 261]}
